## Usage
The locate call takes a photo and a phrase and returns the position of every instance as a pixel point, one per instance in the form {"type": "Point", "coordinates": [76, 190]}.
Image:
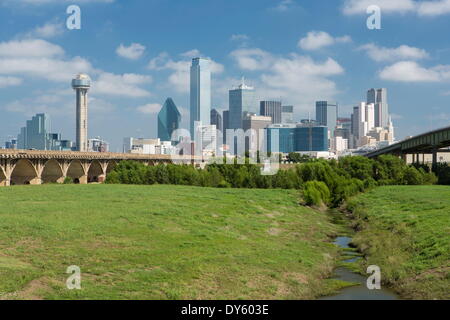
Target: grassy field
{"type": "Point", "coordinates": [162, 242]}
{"type": "Point", "coordinates": [406, 232]}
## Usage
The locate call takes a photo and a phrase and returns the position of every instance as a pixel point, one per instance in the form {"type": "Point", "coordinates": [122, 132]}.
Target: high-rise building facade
{"type": "Point", "coordinates": [81, 84]}
{"type": "Point", "coordinates": [37, 134]}
{"type": "Point", "coordinates": [381, 108]}
{"type": "Point", "coordinates": [287, 114]}
{"type": "Point", "coordinates": [271, 109]}
{"type": "Point", "coordinates": [327, 114]}
{"type": "Point", "coordinates": [364, 129]}
{"type": "Point", "coordinates": [200, 110]}
{"type": "Point", "coordinates": [241, 101]}
{"type": "Point", "coordinates": [298, 138]}
{"type": "Point", "coordinates": [225, 124]}
{"type": "Point", "coordinates": [255, 141]}
{"type": "Point", "coordinates": [11, 144]}
{"type": "Point", "coordinates": [168, 120]}
{"type": "Point", "coordinates": [98, 145]}
{"type": "Point", "coordinates": [216, 119]}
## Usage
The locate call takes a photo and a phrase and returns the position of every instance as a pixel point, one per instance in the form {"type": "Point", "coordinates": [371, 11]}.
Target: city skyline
{"type": "Point", "coordinates": [134, 72]}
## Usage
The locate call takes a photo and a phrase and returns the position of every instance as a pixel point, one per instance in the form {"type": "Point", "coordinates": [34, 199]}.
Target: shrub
{"type": "Point", "coordinates": [412, 176]}
{"type": "Point", "coordinates": [68, 180]}
{"type": "Point", "coordinates": [316, 193]}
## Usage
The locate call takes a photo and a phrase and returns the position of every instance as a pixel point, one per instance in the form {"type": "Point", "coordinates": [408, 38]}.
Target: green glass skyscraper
{"type": "Point", "coordinates": [168, 120]}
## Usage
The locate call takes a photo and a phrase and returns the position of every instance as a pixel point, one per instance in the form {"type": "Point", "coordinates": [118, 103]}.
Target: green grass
{"type": "Point", "coordinates": [406, 232]}
{"type": "Point", "coordinates": [162, 242]}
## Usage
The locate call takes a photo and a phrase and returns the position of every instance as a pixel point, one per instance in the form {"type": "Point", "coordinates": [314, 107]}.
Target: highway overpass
{"type": "Point", "coordinates": [36, 167]}
{"type": "Point", "coordinates": [432, 142]}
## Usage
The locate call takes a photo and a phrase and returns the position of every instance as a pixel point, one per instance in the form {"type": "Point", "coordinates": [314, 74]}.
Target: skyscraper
{"type": "Point", "coordinates": [37, 134]}
{"type": "Point", "coordinates": [271, 109]}
{"type": "Point", "coordinates": [81, 84]}
{"type": "Point", "coordinates": [168, 120]}
{"type": "Point", "coordinates": [226, 120]}
{"type": "Point", "coordinates": [287, 114]}
{"type": "Point", "coordinates": [216, 119]}
{"type": "Point", "coordinates": [226, 124]}
{"type": "Point", "coordinates": [326, 115]}
{"type": "Point", "coordinates": [200, 93]}
{"type": "Point", "coordinates": [241, 101]}
{"type": "Point", "coordinates": [379, 98]}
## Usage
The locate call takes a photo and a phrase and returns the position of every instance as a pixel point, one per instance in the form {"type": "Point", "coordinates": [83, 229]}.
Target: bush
{"type": "Point", "coordinates": [316, 193]}
{"type": "Point", "coordinates": [412, 176]}
{"type": "Point", "coordinates": [68, 180]}
{"type": "Point", "coordinates": [443, 172]}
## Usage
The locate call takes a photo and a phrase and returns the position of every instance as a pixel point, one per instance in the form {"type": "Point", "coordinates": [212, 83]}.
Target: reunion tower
{"type": "Point", "coordinates": [81, 84]}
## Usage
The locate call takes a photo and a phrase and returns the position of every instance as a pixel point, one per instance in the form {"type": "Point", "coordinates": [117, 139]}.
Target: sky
{"type": "Point", "coordinates": [138, 53]}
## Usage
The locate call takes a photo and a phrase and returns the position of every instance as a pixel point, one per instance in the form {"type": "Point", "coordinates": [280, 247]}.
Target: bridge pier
{"type": "Point", "coordinates": [434, 165]}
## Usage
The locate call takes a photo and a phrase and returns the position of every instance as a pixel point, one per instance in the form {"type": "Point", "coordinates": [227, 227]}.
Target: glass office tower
{"type": "Point", "coordinates": [216, 119]}
{"type": "Point", "coordinates": [271, 109]}
{"type": "Point", "coordinates": [241, 102]}
{"type": "Point", "coordinates": [168, 120]}
{"type": "Point", "coordinates": [379, 99]}
{"type": "Point", "coordinates": [200, 93]}
{"type": "Point", "coordinates": [327, 114]}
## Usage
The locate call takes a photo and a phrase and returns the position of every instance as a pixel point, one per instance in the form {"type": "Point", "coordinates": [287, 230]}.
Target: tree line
{"type": "Point", "coordinates": [328, 182]}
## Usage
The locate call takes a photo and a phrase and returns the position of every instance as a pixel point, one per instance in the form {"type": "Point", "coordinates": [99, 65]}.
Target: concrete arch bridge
{"type": "Point", "coordinates": [19, 167]}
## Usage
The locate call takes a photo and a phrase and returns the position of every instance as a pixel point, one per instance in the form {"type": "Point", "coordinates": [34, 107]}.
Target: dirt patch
{"type": "Point", "coordinates": [34, 289]}
{"type": "Point", "coordinates": [299, 277]}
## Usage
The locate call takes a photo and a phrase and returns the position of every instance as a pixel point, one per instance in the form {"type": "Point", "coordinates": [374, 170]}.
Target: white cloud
{"type": "Point", "coordinates": [352, 7]}
{"type": "Point", "coordinates": [252, 59]}
{"type": "Point", "coordinates": [51, 69]}
{"type": "Point", "coordinates": [410, 71]}
{"type": "Point", "coordinates": [297, 79]}
{"type": "Point", "coordinates": [315, 40]}
{"type": "Point", "coordinates": [239, 37]}
{"type": "Point", "coordinates": [29, 48]}
{"type": "Point", "coordinates": [42, 59]}
{"type": "Point", "coordinates": [402, 52]}
{"type": "Point", "coordinates": [284, 5]}
{"type": "Point", "coordinates": [10, 82]}
{"type": "Point", "coordinates": [127, 85]}
{"type": "Point", "coordinates": [434, 8]}
{"type": "Point", "coordinates": [98, 105]}
{"type": "Point", "coordinates": [179, 79]}
{"type": "Point", "coordinates": [47, 31]}
{"type": "Point", "coordinates": [132, 52]}
{"type": "Point", "coordinates": [194, 53]}
{"type": "Point", "coordinates": [422, 8]}
{"type": "Point", "coordinates": [151, 108]}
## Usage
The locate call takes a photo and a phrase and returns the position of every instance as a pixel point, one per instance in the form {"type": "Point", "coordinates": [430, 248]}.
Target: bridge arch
{"type": "Point", "coordinates": [2, 177]}
{"type": "Point", "coordinates": [95, 172]}
{"type": "Point", "coordinates": [76, 172]}
{"type": "Point", "coordinates": [52, 172]}
{"type": "Point", "coordinates": [24, 173]}
{"type": "Point", "coordinates": [111, 165]}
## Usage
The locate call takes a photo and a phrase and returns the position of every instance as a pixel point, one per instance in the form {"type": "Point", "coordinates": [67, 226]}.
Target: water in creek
{"type": "Point", "coordinates": [360, 291]}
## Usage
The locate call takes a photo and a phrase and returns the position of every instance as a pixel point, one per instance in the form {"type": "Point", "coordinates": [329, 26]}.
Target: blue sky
{"type": "Point", "coordinates": [138, 53]}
